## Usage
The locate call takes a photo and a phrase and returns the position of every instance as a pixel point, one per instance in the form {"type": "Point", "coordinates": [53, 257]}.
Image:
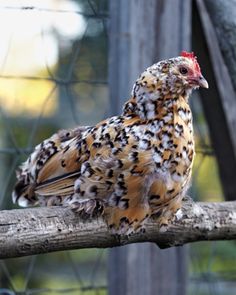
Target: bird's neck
{"type": "Point", "coordinates": [148, 106]}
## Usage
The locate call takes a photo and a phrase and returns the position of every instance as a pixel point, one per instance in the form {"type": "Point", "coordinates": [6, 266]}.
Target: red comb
{"type": "Point", "coordinates": [193, 57]}
{"type": "Point", "coordinates": [188, 54]}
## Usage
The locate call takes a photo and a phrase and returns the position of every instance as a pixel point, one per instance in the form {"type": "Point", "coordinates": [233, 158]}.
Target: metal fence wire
{"type": "Point", "coordinates": [53, 74]}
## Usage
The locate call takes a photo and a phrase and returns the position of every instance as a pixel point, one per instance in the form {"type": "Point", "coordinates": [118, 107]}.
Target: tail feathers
{"type": "Point", "coordinates": [24, 195]}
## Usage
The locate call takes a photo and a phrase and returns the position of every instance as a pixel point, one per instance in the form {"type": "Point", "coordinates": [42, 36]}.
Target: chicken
{"type": "Point", "coordinates": [128, 167]}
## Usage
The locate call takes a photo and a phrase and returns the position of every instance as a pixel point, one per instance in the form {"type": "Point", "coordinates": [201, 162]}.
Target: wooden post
{"type": "Point", "coordinates": [141, 33]}
{"type": "Point", "coordinates": [219, 101]}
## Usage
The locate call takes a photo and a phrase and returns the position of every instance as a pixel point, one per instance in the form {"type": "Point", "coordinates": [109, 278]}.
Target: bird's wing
{"type": "Point", "coordinates": [45, 166]}
{"type": "Point", "coordinates": [97, 162]}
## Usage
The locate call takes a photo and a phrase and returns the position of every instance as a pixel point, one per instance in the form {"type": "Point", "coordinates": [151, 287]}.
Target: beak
{"type": "Point", "coordinates": [202, 82]}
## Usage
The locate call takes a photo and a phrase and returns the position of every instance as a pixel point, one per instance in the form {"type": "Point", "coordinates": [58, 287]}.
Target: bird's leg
{"type": "Point", "coordinates": [88, 208]}
{"type": "Point", "coordinates": [164, 201]}
{"type": "Point", "coordinates": [127, 214]}
{"type": "Point", "coordinates": [126, 221]}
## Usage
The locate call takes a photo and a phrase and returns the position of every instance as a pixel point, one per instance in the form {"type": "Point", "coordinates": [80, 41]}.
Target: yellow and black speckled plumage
{"type": "Point", "coordinates": [127, 167]}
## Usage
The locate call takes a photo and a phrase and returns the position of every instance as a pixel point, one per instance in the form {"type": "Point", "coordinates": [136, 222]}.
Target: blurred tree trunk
{"type": "Point", "coordinates": [214, 41]}
{"type": "Point", "coordinates": [223, 16]}
{"type": "Point", "coordinates": [141, 33]}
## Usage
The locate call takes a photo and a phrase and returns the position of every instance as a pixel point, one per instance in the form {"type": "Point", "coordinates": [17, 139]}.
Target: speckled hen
{"type": "Point", "coordinates": [127, 167]}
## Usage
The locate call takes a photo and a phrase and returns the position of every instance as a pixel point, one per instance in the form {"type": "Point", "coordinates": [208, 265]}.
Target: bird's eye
{"type": "Point", "coordinates": [183, 70]}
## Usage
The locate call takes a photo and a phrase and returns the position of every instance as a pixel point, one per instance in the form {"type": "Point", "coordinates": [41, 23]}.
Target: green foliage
{"type": "Point", "coordinates": [221, 253]}
{"type": "Point", "coordinates": [206, 180]}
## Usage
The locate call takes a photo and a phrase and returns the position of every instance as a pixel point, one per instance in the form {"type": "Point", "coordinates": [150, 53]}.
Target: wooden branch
{"type": "Point", "coordinates": [40, 230]}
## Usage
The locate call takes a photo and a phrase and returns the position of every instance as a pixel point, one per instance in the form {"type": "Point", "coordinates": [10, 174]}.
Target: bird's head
{"type": "Point", "coordinates": [186, 71]}
{"type": "Point", "coordinates": [164, 82]}
{"type": "Point", "coordinates": [170, 77]}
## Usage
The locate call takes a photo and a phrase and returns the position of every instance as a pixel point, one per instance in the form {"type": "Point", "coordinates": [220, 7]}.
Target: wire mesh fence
{"type": "Point", "coordinates": [53, 74]}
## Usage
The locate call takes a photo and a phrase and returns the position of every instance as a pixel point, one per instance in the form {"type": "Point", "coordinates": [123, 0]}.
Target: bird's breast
{"type": "Point", "coordinates": [173, 151]}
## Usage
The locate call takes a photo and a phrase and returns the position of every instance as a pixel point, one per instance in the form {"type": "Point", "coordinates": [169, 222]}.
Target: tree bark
{"type": "Point", "coordinates": [40, 230]}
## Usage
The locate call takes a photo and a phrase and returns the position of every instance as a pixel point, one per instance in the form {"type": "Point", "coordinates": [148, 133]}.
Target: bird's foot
{"type": "Point", "coordinates": [88, 208]}
{"type": "Point", "coordinates": [128, 229]}
{"type": "Point", "coordinates": [164, 218]}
